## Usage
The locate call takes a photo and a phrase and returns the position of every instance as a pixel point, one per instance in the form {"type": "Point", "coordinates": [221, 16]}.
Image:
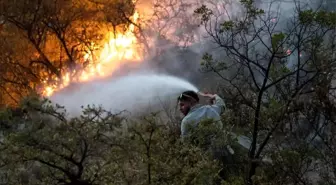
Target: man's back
{"type": "Point", "coordinates": [199, 113]}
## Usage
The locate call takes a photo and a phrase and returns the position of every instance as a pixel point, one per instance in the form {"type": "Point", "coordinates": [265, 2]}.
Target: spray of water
{"type": "Point", "coordinates": [131, 93]}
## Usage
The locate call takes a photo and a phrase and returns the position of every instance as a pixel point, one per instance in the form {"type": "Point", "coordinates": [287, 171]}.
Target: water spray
{"type": "Point", "coordinates": [131, 93]}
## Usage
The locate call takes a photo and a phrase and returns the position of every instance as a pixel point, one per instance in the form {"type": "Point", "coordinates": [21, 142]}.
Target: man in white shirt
{"type": "Point", "coordinates": [194, 112]}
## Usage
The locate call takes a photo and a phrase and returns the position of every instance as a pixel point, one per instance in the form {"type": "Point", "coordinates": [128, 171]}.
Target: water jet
{"type": "Point", "coordinates": [131, 92]}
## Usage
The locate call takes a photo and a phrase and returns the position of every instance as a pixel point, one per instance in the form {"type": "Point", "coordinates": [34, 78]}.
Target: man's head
{"type": "Point", "coordinates": [187, 100]}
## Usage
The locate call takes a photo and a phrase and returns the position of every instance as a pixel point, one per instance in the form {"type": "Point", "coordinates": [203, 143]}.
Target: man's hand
{"type": "Point", "coordinates": [206, 95]}
{"type": "Point", "coordinates": [211, 96]}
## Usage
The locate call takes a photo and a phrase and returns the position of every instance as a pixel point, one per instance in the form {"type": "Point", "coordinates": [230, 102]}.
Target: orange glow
{"type": "Point", "coordinates": [118, 48]}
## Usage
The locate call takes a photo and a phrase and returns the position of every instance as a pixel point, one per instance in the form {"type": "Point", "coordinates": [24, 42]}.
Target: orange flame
{"type": "Point", "coordinates": [118, 48]}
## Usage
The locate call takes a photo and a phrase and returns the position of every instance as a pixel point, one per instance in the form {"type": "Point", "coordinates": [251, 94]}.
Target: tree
{"type": "Point", "coordinates": [96, 148]}
{"type": "Point", "coordinates": [272, 67]}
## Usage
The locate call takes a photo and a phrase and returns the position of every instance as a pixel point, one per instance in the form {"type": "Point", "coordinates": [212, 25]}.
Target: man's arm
{"type": "Point", "coordinates": [219, 104]}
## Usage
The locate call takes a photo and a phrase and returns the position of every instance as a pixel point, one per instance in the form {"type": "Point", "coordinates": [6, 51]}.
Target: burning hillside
{"type": "Point", "coordinates": [162, 20]}
{"type": "Point", "coordinates": [73, 41]}
{"type": "Point", "coordinates": [116, 49]}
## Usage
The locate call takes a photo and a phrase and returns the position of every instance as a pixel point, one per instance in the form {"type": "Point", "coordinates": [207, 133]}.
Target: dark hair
{"type": "Point", "coordinates": [187, 96]}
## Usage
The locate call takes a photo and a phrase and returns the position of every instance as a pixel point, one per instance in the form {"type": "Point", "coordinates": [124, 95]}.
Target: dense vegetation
{"type": "Point", "coordinates": [277, 78]}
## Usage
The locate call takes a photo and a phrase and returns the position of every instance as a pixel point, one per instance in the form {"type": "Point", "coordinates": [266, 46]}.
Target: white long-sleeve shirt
{"type": "Point", "coordinates": [199, 113]}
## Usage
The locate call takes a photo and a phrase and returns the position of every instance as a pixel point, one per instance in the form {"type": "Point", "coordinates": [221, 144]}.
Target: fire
{"type": "Point", "coordinates": [118, 48]}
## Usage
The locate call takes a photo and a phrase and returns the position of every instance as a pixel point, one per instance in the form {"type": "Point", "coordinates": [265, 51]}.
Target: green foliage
{"type": "Point", "coordinates": [297, 160]}
{"type": "Point", "coordinates": [99, 148]}
{"type": "Point", "coordinates": [306, 16]}
{"type": "Point", "coordinates": [277, 71]}
{"type": "Point", "coordinates": [208, 63]}
{"type": "Point", "coordinates": [217, 141]}
{"type": "Point", "coordinates": [277, 41]}
{"type": "Point", "coordinates": [320, 17]}
{"type": "Point", "coordinates": [226, 25]}
{"type": "Point", "coordinates": [234, 181]}
{"type": "Point", "coordinates": [252, 11]}
{"type": "Point", "coordinates": [204, 12]}
{"type": "Point", "coordinates": [206, 59]}
{"type": "Point", "coordinates": [273, 109]}
{"type": "Point", "coordinates": [272, 95]}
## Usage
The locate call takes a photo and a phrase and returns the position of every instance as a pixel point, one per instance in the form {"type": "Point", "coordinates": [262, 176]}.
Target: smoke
{"type": "Point", "coordinates": [177, 44]}
{"type": "Point", "coordinates": [169, 28]}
